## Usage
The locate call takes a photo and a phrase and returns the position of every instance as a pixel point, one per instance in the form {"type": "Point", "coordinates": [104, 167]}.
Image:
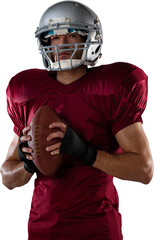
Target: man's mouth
{"type": "Point", "coordinates": [64, 54]}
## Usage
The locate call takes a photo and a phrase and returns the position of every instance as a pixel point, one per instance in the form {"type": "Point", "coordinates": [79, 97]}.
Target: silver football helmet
{"type": "Point", "coordinates": [67, 17]}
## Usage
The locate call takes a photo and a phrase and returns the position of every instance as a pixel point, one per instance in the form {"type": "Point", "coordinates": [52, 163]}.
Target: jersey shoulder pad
{"type": "Point", "coordinates": [122, 75]}
{"type": "Point", "coordinates": [24, 84]}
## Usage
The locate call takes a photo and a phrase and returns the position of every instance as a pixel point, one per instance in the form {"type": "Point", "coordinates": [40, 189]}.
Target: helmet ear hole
{"type": "Point", "coordinates": [97, 49]}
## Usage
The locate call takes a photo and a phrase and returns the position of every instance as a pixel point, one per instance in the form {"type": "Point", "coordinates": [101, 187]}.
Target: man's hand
{"type": "Point", "coordinates": [24, 139]}
{"type": "Point", "coordinates": [71, 144]}
{"type": "Point", "coordinates": [55, 148]}
{"type": "Point", "coordinates": [25, 151]}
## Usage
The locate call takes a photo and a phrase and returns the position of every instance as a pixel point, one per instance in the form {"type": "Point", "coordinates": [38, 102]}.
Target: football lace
{"type": "Point", "coordinates": [36, 140]}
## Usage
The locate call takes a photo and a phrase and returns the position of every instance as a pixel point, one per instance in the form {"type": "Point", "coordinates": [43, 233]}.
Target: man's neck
{"type": "Point", "coordinates": [69, 76]}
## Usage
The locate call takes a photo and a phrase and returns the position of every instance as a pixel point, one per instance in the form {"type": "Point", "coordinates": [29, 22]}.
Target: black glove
{"type": "Point", "coordinates": [28, 164]}
{"type": "Point", "coordinates": [73, 145]}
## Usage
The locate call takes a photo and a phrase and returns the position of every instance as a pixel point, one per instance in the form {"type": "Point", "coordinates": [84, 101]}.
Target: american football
{"type": "Point", "coordinates": [44, 161]}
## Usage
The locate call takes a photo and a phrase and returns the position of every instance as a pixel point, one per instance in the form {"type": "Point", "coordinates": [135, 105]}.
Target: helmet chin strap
{"type": "Point", "coordinates": [66, 64]}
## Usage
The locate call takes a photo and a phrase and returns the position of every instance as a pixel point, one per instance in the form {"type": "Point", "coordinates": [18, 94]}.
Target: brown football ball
{"type": "Point", "coordinates": [44, 161]}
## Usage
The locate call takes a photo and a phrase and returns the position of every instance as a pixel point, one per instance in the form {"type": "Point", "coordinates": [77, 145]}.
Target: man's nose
{"type": "Point", "coordinates": [63, 39]}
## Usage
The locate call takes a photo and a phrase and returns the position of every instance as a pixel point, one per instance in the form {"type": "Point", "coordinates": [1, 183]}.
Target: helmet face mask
{"type": "Point", "coordinates": [75, 18]}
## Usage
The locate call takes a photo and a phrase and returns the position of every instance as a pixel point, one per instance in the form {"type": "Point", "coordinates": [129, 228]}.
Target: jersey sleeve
{"type": "Point", "coordinates": [129, 101]}
{"type": "Point", "coordinates": [14, 111]}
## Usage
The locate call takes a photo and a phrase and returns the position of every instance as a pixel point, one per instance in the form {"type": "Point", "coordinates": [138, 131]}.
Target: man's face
{"type": "Point", "coordinates": [67, 39]}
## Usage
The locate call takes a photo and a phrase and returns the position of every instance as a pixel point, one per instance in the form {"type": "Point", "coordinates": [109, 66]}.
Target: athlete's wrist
{"type": "Point", "coordinates": [29, 165]}
{"type": "Point", "coordinates": [75, 147]}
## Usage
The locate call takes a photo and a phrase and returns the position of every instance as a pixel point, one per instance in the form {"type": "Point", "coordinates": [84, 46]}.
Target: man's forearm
{"type": "Point", "coordinates": [14, 174]}
{"type": "Point", "coordinates": [126, 166]}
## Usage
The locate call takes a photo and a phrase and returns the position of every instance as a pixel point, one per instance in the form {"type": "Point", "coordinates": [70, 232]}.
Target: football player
{"type": "Point", "coordinates": [102, 107]}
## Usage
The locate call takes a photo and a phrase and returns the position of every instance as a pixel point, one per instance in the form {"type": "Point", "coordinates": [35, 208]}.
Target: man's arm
{"type": "Point", "coordinates": [12, 170]}
{"type": "Point", "coordinates": [135, 163]}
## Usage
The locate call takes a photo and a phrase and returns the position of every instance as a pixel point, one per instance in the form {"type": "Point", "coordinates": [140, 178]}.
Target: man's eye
{"type": "Point", "coordinates": [73, 35]}
{"type": "Point", "coordinates": [54, 37]}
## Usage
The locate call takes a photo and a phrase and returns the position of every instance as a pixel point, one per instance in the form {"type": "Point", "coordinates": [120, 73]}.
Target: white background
{"type": "Point", "coordinates": [128, 36]}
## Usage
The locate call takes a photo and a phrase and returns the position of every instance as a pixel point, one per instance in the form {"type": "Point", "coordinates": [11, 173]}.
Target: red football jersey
{"type": "Point", "coordinates": [79, 202]}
